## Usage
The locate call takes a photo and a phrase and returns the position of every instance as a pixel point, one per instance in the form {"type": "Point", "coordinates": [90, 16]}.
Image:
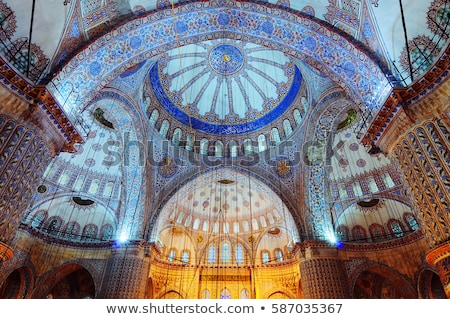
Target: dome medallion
{"type": "Point", "coordinates": [226, 59]}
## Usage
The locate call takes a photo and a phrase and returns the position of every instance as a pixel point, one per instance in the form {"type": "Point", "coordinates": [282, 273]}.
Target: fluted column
{"type": "Point", "coordinates": [423, 154]}
{"type": "Point", "coordinates": [322, 274]}
{"type": "Point", "coordinates": [23, 158]}
{"type": "Point", "coordinates": [127, 273]}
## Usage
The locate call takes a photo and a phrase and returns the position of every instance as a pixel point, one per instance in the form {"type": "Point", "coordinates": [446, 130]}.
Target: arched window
{"type": "Point", "coordinates": [245, 225]}
{"type": "Point", "coordinates": [275, 136]}
{"type": "Point", "coordinates": [226, 252]}
{"type": "Point", "coordinates": [262, 143]}
{"type": "Point", "coordinates": [396, 228]}
{"type": "Point", "coordinates": [189, 142]}
{"type": "Point", "coordinates": [236, 227]}
{"type": "Point", "coordinates": [234, 151]}
{"type": "Point", "coordinates": [176, 137]}
{"type": "Point", "coordinates": [357, 190]}
{"type": "Point", "coordinates": [279, 255]}
{"type": "Point", "coordinates": [109, 189]}
{"type": "Point", "coordinates": [164, 128]}
{"type": "Point", "coordinates": [204, 145]}
{"type": "Point", "coordinates": [411, 221]}
{"type": "Point", "coordinates": [342, 233]}
{"type": "Point", "coordinates": [72, 230]}
{"type": "Point", "coordinates": [287, 128]}
{"type": "Point", "coordinates": [387, 179]}
{"type": "Point", "coordinates": [225, 294]}
{"type": "Point", "coordinates": [54, 224]}
{"type": "Point", "coordinates": [248, 147]}
{"type": "Point", "coordinates": [196, 224]}
{"type": "Point", "coordinates": [359, 233]}
{"type": "Point", "coordinates": [239, 254]}
{"type": "Point", "coordinates": [172, 254]}
{"type": "Point", "coordinates": [205, 227]}
{"type": "Point", "coordinates": [244, 294]}
{"type": "Point", "coordinates": [106, 232]}
{"type": "Point", "coordinates": [212, 254]}
{"type": "Point", "coordinates": [185, 256]}
{"type": "Point", "coordinates": [89, 232]}
{"type": "Point", "coordinates": [373, 188]}
{"type": "Point", "coordinates": [187, 221]}
{"type": "Point", "coordinates": [206, 294]}
{"type": "Point", "coordinates": [79, 183]}
{"type": "Point", "coordinates": [39, 219]}
{"type": "Point", "coordinates": [255, 225]}
{"type": "Point", "coordinates": [377, 232]}
{"type": "Point", "coordinates": [263, 221]}
{"type": "Point", "coordinates": [297, 116]}
{"type": "Point", "coordinates": [265, 256]}
{"type": "Point", "coordinates": [218, 149]}
{"type": "Point", "coordinates": [270, 217]}
{"type": "Point", "coordinates": [65, 177]}
{"type": "Point", "coordinates": [95, 185]}
{"type": "Point", "coordinates": [153, 118]}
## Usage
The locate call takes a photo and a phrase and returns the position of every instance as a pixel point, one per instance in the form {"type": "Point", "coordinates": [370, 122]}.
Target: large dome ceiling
{"type": "Point", "coordinates": [225, 87]}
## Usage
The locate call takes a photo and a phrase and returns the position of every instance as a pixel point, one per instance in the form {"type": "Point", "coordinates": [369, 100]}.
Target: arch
{"type": "Point", "coordinates": [86, 74]}
{"type": "Point", "coordinates": [71, 230]}
{"type": "Point", "coordinates": [218, 149]}
{"type": "Point", "coordinates": [378, 281]}
{"type": "Point", "coordinates": [395, 227]}
{"type": "Point", "coordinates": [429, 285]}
{"type": "Point", "coordinates": [277, 293]}
{"type": "Point", "coordinates": [234, 149]}
{"type": "Point", "coordinates": [176, 137]}
{"type": "Point", "coordinates": [171, 294]}
{"type": "Point", "coordinates": [18, 284]}
{"type": "Point", "coordinates": [39, 219]}
{"type": "Point", "coordinates": [69, 281]}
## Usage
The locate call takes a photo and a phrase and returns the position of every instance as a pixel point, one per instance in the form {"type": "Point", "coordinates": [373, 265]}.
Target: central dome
{"type": "Point", "coordinates": [225, 88]}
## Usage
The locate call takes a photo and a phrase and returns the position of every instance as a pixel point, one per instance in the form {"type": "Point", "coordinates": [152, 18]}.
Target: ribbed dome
{"type": "Point", "coordinates": [224, 87]}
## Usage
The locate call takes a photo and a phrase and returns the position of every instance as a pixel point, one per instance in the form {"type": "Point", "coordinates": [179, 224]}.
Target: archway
{"type": "Point", "coordinates": [70, 281]}
{"type": "Point", "coordinates": [224, 229]}
{"type": "Point", "coordinates": [381, 282]}
{"type": "Point", "coordinates": [18, 285]}
{"type": "Point", "coordinates": [429, 285]}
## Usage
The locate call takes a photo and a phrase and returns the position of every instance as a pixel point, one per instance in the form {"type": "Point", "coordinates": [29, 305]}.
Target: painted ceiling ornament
{"type": "Point", "coordinates": [7, 21]}
{"type": "Point", "coordinates": [283, 167]}
{"type": "Point", "coordinates": [226, 59]}
{"type": "Point", "coordinates": [167, 167]}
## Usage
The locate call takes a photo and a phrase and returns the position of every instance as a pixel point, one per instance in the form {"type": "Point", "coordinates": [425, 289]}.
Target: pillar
{"type": "Point", "coordinates": [440, 258]}
{"type": "Point", "coordinates": [29, 138]}
{"type": "Point", "coordinates": [23, 158]}
{"type": "Point", "coordinates": [127, 273]}
{"type": "Point", "coordinates": [423, 155]}
{"type": "Point", "coordinates": [417, 139]}
{"type": "Point", "coordinates": [322, 274]}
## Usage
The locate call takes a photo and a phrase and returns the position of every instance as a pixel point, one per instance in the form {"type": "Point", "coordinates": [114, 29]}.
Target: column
{"type": "Point", "coordinates": [440, 258]}
{"type": "Point", "coordinates": [423, 155]}
{"type": "Point", "coordinates": [127, 272]}
{"type": "Point", "coordinates": [322, 274]}
{"type": "Point", "coordinates": [32, 130]}
{"type": "Point", "coordinates": [23, 158]}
